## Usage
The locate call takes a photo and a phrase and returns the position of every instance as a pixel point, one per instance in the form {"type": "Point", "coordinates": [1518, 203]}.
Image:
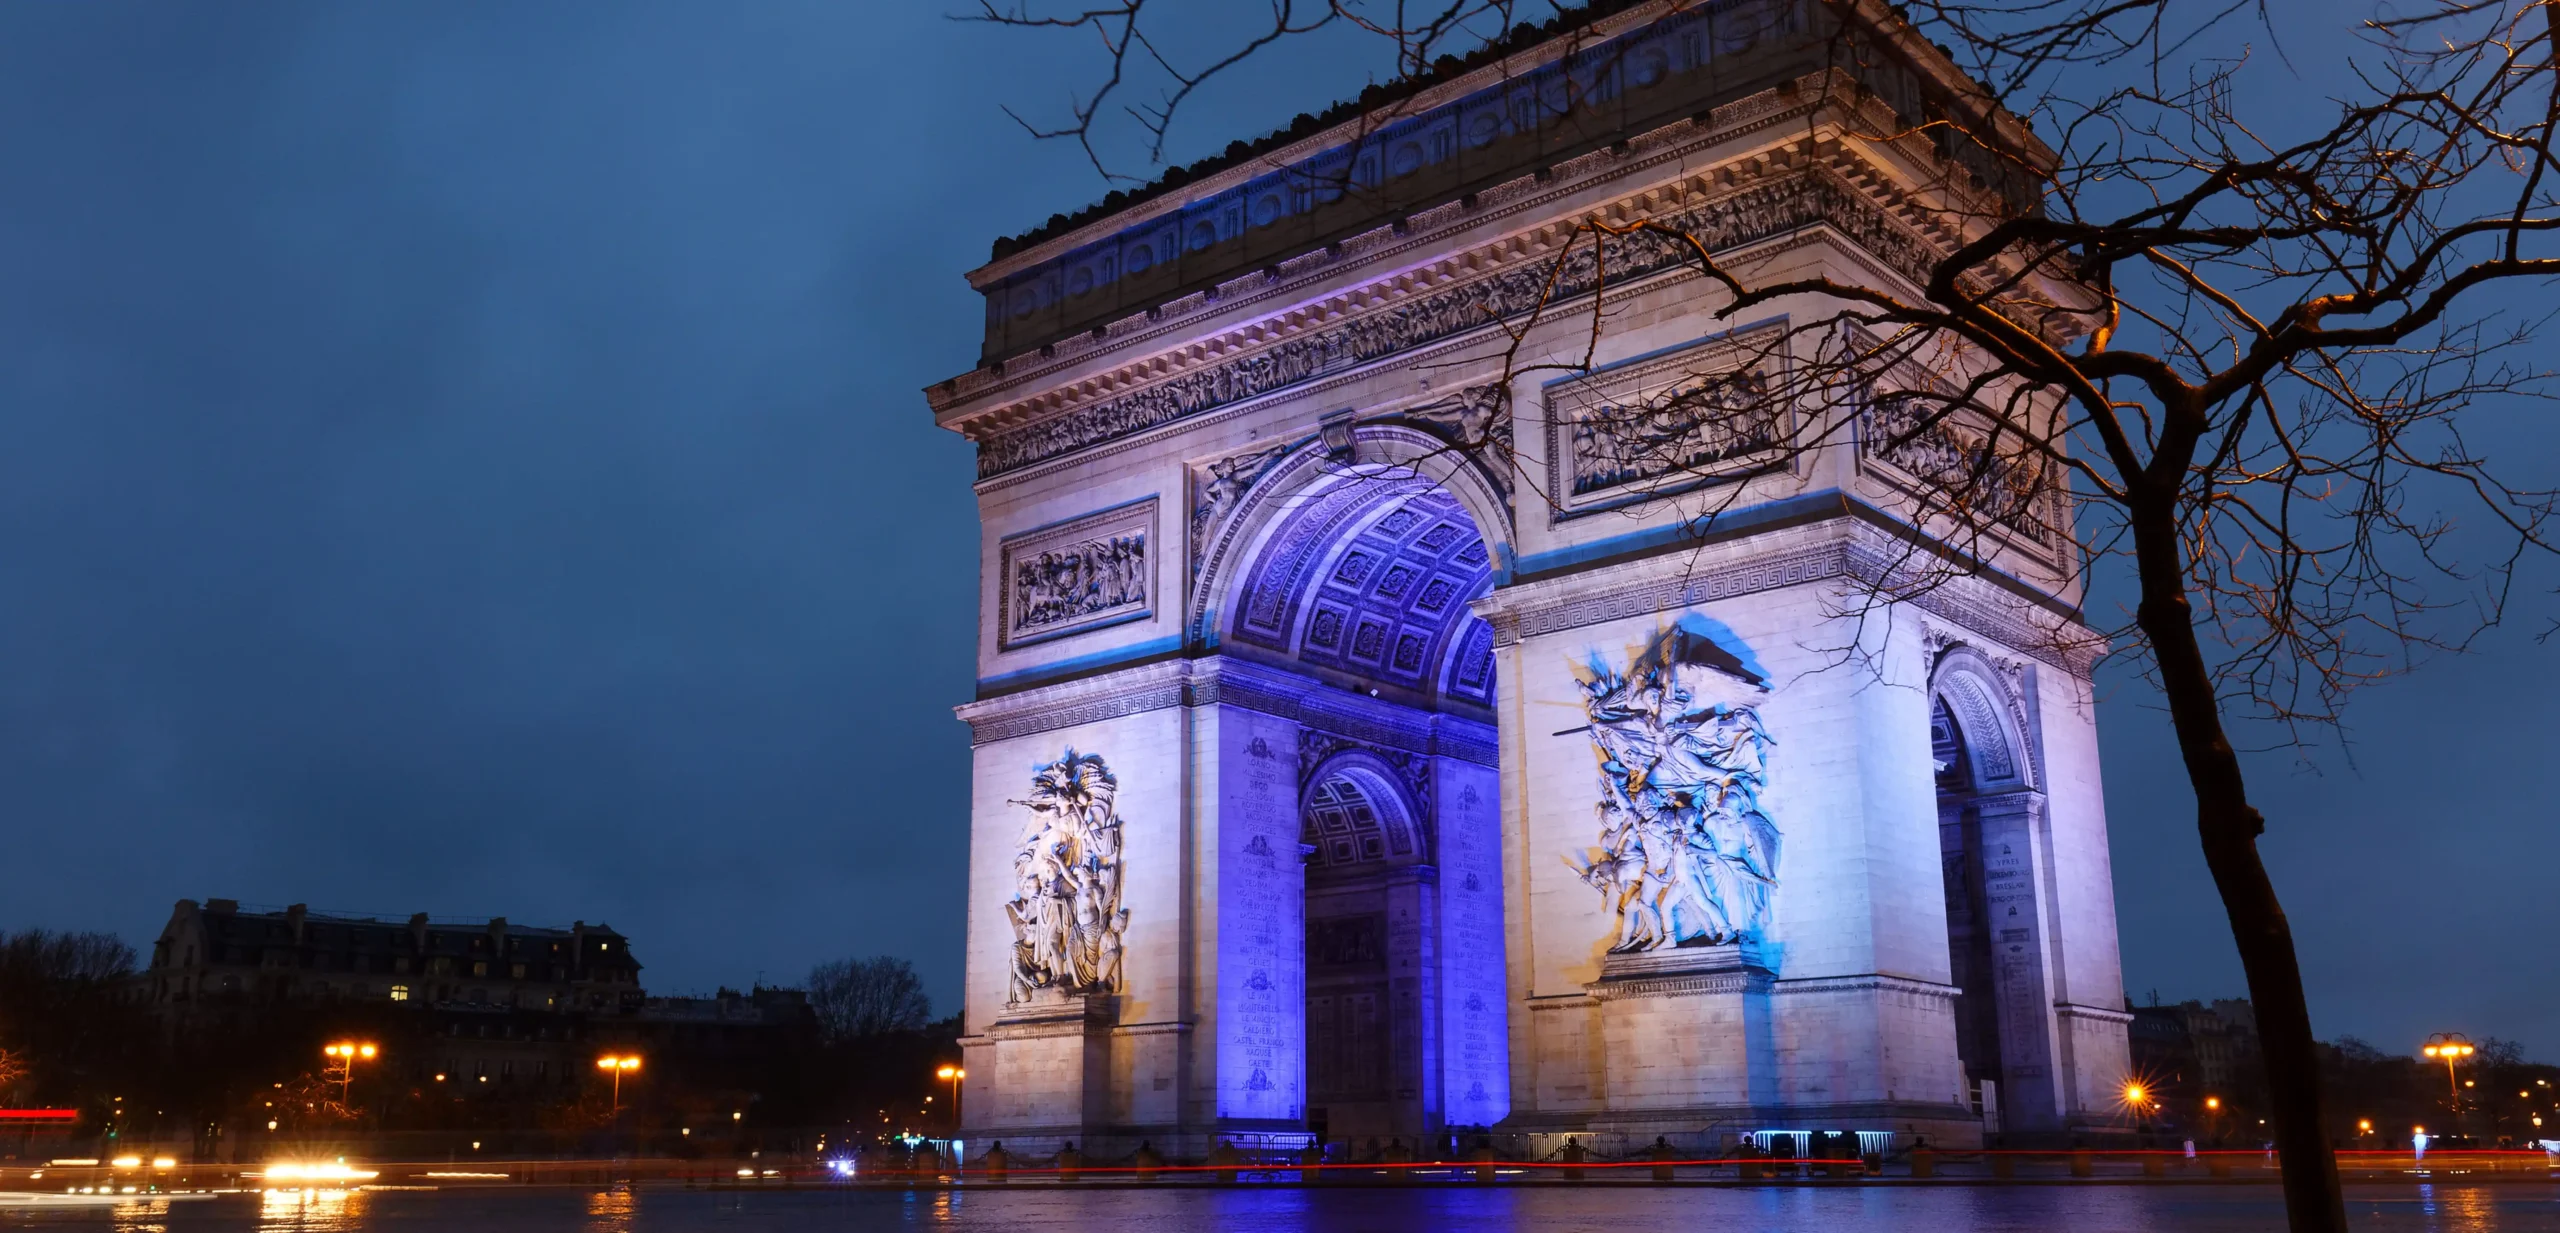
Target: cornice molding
{"type": "Point", "coordinates": [1871, 981]}
{"type": "Point", "coordinates": [1048, 708]}
{"type": "Point", "coordinates": [1222, 680]}
{"type": "Point", "coordinates": [1820, 102]}
{"type": "Point", "coordinates": [2075, 1010]}
{"type": "Point", "coordinates": [1841, 548]}
{"type": "Point", "coordinates": [1430, 305]}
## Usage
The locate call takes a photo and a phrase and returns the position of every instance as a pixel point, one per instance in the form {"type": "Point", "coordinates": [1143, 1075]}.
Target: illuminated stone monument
{"type": "Point", "coordinates": [1334, 778]}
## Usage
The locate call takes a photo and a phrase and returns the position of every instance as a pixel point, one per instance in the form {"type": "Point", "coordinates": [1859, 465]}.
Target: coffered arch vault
{"type": "Point", "coordinates": [1360, 561]}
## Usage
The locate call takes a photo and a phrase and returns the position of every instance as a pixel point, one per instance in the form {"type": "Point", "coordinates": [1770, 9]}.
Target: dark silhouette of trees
{"type": "Point", "coordinates": [856, 998]}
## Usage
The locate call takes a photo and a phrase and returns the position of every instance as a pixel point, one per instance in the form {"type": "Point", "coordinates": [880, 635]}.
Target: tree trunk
{"type": "Point", "coordinates": [2230, 827]}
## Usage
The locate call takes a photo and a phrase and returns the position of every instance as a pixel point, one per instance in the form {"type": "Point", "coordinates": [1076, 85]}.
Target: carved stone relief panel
{"type": "Point", "coordinates": [1916, 433]}
{"type": "Point", "coordinates": [1066, 914]}
{"type": "Point", "coordinates": [1667, 423]}
{"type": "Point", "coordinates": [1687, 855]}
{"type": "Point", "coordinates": [1081, 574]}
{"type": "Point", "coordinates": [1218, 486]}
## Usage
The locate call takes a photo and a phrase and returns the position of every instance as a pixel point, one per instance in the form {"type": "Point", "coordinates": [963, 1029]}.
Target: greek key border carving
{"type": "Point", "coordinates": [1223, 680]}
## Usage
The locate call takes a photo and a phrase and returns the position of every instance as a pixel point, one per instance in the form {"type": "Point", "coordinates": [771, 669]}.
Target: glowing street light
{"type": "Point", "coordinates": [953, 1075]}
{"type": "Point", "coordinates": [2138, 1098]}
{"type": "Point", "coordinates": [618, 1065]}
{"type": "Point", "coordinates": [343, 1057]}
{"type": "Point", "coordinates": [2452, 1047]}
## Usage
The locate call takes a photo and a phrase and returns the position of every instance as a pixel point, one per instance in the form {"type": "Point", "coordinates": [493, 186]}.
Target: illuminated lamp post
{"type": "Point", "coordinates": [618, 1065]}
{"type": "Point", "coordinates": [953, 1075]}
{"type": "Point", "coordinates": [343, 1057]}
{"type": "Point", "coordinates": [2138, 1098]}
{"type": "Point", "coordinates": [2451, 1047]}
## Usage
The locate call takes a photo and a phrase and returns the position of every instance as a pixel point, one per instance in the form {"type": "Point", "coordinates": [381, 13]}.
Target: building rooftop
{"type": "Point", "coordinates": [1376, 97]}
{"type": "Point", "coordinates": [326, 916]}
{"type": "Point", "coordinates": [1592, 79]}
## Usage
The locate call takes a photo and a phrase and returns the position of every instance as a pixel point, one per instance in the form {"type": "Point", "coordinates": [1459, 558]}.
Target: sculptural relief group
{"type": "Point", "coordinates": [1066, 913]}
{"type": "Point", "coordinates": [1686, 853]}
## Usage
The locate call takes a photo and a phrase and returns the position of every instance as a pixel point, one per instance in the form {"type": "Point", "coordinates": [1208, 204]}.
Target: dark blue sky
{"type": "Point", "coordinates": [468, 458]}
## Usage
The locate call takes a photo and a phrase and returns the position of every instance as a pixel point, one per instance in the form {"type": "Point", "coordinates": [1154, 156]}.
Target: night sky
{"type": "Point", "coordinates": [469, 458]}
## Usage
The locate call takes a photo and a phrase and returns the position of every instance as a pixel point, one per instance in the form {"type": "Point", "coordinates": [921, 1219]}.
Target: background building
{"type": "Point", "coordinates": [216, 955]}
{"type": "Point", "coordinates": [459, 1006]}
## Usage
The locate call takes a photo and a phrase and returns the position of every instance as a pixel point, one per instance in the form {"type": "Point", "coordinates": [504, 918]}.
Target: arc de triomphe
{"type": "Point", "coordinates": [1315, 759]}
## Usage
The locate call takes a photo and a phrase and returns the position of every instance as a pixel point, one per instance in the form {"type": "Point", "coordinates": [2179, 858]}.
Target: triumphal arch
{"type": "Point", "coordinates": [1336, 774]}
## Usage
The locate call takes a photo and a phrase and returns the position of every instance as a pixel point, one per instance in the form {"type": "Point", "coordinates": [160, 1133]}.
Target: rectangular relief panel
{"type": "Point", "coordinates": [1669, 422]}
{"type": "Point", "coordinates": [1078, 575]}
{"type": "Point", "coordinates": [1936, 440]}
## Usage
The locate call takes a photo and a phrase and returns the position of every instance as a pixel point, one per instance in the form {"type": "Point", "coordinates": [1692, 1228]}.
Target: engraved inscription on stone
{"type": "Point", "coordinates": [1262, 995]}
{"type": "Point", "coordinates": [1078, 575]}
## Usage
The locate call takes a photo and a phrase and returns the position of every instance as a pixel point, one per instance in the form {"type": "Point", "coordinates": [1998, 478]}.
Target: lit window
{"type": "Point", "coordinates": [399, 993]}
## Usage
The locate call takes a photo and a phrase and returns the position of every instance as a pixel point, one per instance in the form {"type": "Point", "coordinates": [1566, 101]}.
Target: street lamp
{"type": "Point", "coordinates": [618, 1065]}
{"type": "Point", "coordinates": [2137, 1098]}
{"type": "Point", "coordinates": [2452, 1047]}
{"type": "Point", "coordinates": [343, 1057]}
{"type": "Point", "coordinates": [953, 1075]}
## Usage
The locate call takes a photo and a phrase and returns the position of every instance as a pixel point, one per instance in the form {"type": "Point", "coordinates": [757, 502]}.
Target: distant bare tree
{"type": "Point", "coordinates": [40, 956]}
{"type": "Point", "coordinates": [13, 1067]}
{"type": "Point", "coordinates": [2229, 358]}
{"type": "Point", "coordinates": [857, 998]}
{"type": "Point", "coordinates": [2500, 1054]}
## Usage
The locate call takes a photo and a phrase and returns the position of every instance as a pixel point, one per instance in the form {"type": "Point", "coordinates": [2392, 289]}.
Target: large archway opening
{"type": "Point", "coordinates": [1969, 926]}
{"type": "Point", "coordinates": [1990, 812]}
{"type": "Point", "coordinates": [1367, 890]}
{"type": "Point", "coordinates": [1359, 582]}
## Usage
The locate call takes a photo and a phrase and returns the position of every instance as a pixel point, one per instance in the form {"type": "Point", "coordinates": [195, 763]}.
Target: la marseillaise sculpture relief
{"type": "Point", "coordinates": [1335, 776]}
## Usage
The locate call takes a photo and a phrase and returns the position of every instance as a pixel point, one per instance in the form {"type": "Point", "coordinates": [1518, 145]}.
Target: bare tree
{"type": "Point", "coordinates": [13, 1067]}
{"type": "Point", "coordinates": [2228, 359]}
{"type": "Point", "coordinates": [44, 957]}
{"type": "Point", "coordinates": [859, 998]}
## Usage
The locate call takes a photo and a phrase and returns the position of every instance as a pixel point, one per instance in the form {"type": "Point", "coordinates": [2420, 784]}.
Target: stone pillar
{"type": "Point", "coordinates": [1253, 951]}
{"type": "Point", "coordinates": [1475, 1049]}
{"type": "Point", "coordinates": [1413, 999]}
{"type": "Point", "coordinates": [2022, 978]}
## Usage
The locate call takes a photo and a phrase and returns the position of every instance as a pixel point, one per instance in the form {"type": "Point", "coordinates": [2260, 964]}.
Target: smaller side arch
{"type": "Point", "coordinates": [1993, 729]}
{"type": "Point", "coordinates": [1355, 810]}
